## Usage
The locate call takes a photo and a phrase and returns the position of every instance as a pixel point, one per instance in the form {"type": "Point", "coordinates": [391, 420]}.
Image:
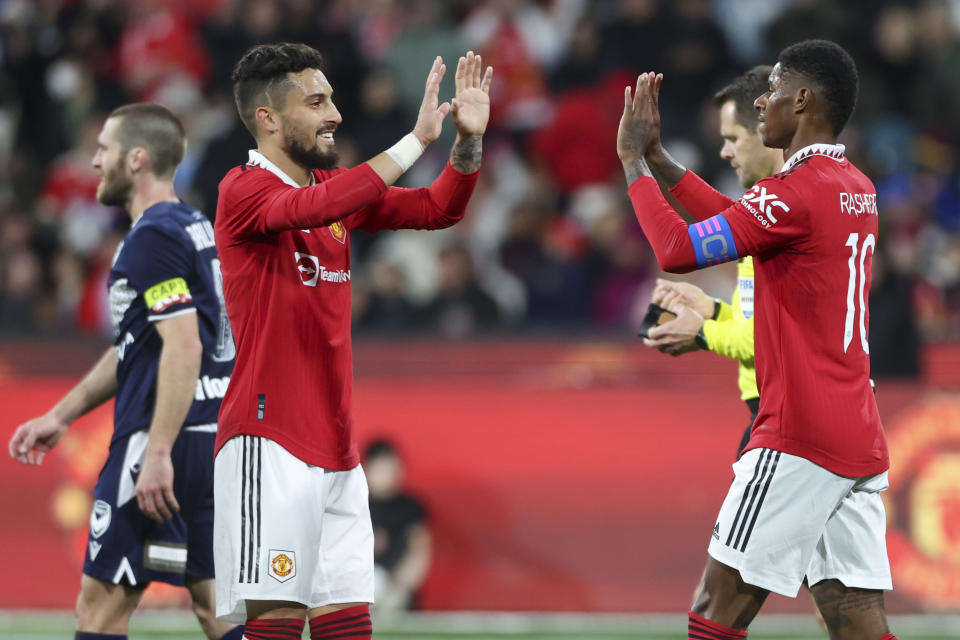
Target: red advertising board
{"type": "Point", "coordinates": [558, 476]}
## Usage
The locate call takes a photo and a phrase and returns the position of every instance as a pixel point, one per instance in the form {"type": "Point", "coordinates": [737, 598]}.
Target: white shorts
{"type": "Point", "coordinates": [287, 530]}
{"type": "Point", "coordinates": [786, 518]}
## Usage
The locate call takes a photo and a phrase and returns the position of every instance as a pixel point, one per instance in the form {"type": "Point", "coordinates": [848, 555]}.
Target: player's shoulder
{"type": "Point", "coordinates": [247, 177]}
{"type": "Point", "coordinates": [808, 168]}
{"type": "Point", "coordinates": [773, 193]}
{"type": "Point", "coordinates": [163, 223]}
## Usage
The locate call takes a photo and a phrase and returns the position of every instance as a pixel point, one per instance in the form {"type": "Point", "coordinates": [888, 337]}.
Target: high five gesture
{"type": "Point", "coordinates": [431, 114]}
{"type": "Point", "coordinates": [640, 125]}
{"type": "Point", "coordinates": [471, 104]}
{"type": "Point", "coordinates": [471, 112]}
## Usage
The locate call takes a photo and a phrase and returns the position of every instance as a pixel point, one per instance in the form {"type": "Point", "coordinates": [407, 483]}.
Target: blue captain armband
{"type": "Point", "coordinates": [712, 241]}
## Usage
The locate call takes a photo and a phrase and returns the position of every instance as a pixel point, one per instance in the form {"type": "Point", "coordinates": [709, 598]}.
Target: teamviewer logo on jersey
{"type": "Point", "coordinates": [309, 268]}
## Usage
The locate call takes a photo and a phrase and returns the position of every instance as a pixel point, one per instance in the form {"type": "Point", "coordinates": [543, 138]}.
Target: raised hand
{"type": "Point", "coordinates": [431, 115]}
{"type": "Point", "coordinates": [33, 439]}
{"type": "Point", "coordinates": [470, 106]}
{"type": "Point", "coordinates": [639, 130]}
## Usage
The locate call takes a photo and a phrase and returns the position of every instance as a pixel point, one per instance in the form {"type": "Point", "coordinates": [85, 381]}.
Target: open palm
{"type": "Point", "coordinates": [470, 106]}
{"type": "Point", "coordinates": [430, 118]}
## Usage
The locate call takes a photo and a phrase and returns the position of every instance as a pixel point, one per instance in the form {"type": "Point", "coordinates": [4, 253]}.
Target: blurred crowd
{"type": "Point", "coordinates": [550, 242]}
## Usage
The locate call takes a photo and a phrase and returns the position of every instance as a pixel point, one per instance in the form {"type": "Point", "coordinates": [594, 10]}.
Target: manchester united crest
{"type": "Point", "coordinates": [923, 504]}
{"type": "Point", "coordinates": [283, 565]}
{"type": "Point", "coordinates": [338, 231]}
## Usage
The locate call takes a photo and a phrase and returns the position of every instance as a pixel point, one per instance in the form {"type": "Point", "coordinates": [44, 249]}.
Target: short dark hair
{"type": "Point", "coordinates": [832, 69]}
{"type": "Point", "coordinates": [380, 447]}
{"type": "Point", "coordinates": [260, 76]}
{"type": "Point", "coordinates": [743, 91]}
{"type": "Point", "coordinates": [156, 129]}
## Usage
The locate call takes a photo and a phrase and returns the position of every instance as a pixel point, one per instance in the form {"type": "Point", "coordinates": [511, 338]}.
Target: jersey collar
{"type": "Point", "coordinates": [257, 159]}
{"type": "Point", "coordinates": [834, 151]}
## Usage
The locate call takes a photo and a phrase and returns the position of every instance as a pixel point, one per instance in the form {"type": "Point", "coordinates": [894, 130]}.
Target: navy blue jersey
{"type": "Point", "coordinates": [167, 265]}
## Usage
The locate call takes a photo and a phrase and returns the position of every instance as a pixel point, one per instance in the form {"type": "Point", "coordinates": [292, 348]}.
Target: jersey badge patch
{"type": "Point", "coordinates": [338, 231]}
{"type": "Point", "coordinates": [164, 295]}
{"type": "Point", "coordinates": [283, 565]}
{"type": "Point", "coordinates": [99, 518]}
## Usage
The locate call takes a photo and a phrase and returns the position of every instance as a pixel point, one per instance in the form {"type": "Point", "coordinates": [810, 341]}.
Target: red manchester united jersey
{"type": "Point", "coordinates": [812, 230]}
{"type": "Point", "coordinates": [285, 258]}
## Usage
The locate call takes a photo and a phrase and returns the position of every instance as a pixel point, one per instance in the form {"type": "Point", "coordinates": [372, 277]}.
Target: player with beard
{"type": "Point", "coordinates": [168, 368]}
{"type": "Point", "coordinates": [805, 502]}
{"type": "Point", "coordinates": [293, 532]}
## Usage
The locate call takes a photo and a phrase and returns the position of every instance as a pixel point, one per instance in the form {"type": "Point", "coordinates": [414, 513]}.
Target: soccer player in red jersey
{"type": "Point", "coordinates": [293, 537]}
{"type": "Point", "coordinates": [805, 502]}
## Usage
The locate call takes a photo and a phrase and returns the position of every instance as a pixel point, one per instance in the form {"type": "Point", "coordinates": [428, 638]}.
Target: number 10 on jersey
{"type": "Point", "coordinates": [869, 243]}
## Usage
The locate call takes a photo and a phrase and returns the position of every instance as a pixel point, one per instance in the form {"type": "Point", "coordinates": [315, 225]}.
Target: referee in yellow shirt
{"type": "Point", "coordinates": [703, 322]}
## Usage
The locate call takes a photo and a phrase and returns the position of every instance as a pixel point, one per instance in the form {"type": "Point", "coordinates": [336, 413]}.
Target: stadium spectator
{"type": "Point", "coordinates": [60, 65]}
{"type": "Point", "coordinates": [523, 39]}
{"type": "Point", "coordinates": [894, 335]}
{"type": "Point", "coordinates": [824, 506]}
{"type": "Point", "coordinates": [282, 227]}
{"type": "Point", "coordinates": [381, 306]}
{"type": "Point", "coordinates": [402, 546]}
{"type": "Point", "coordinates": [461, 307]}
{"type": "Point", "coordinates": [535, 250]}
{"type": "Point", "coordinates": [172, 356]}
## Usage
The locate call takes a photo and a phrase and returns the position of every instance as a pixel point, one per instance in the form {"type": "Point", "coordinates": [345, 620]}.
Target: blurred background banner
{"type": "Point", "coordinates": [557, 476]}
{"type": "Point", "coordinates": [561, 464]}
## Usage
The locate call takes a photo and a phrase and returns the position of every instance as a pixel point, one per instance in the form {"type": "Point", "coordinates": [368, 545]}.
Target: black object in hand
{"type": "Point", "coordinates": [655, 316]}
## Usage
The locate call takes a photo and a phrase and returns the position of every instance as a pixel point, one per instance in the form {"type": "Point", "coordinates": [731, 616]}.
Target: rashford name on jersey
{"type": "Point", "coordinates": [812, 230]}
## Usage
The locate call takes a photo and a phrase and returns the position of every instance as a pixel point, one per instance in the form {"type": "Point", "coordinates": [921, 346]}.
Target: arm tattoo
{"type": "Point", "coordinates": [635, 168]}
{"type": "Point", "coordinates": [465, 155]}
{"type": "Point", "coordinates": [665, 167]}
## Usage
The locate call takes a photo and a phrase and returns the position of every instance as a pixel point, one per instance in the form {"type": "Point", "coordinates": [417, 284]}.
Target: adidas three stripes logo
{"type": "Point", "coordinates": [250, 512]}
{"type": "Point", "coordinates": [752, 499]}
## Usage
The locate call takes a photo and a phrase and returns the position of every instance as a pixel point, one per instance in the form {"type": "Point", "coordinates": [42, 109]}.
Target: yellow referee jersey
{"type": "Point", "coordinates": [731, 334]}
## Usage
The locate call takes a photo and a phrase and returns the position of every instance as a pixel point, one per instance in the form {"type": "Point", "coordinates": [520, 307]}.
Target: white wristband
{"type": "Point", "coordinates": [406, 152]}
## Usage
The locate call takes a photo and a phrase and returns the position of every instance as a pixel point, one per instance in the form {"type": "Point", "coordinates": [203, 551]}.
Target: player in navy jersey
{"type": "Point", "coordinates": [805, 502]}
{"type": "Point", "coordinates": [152, 518]}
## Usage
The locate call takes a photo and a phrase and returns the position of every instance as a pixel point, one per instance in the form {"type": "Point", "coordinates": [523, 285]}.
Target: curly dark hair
{"type": "Point", "coordinates": [833, 71]}
{"type": "Point", "coordinates": [743, 91]}
{"type": "Point", "coordinates": [260, 77]}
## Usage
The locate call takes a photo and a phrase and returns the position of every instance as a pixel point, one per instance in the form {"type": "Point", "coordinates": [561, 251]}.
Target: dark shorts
{"type": "Point", "coordinates": [125, 546]}
{"type": "Point", "coordinates": [754, 405]}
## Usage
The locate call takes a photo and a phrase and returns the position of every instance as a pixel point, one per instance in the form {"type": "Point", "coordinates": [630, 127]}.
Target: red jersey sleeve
{"type": "Point", "coordinates": [438, 206]}
{"type": "Point", "coordinates": [699, 198]}
{"type": "Point", "coordinates": [665, 229]}
{"type": "Point", "coordinates": [254, 202]}
{"type": "Point", "coordinates": [768, 216]}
